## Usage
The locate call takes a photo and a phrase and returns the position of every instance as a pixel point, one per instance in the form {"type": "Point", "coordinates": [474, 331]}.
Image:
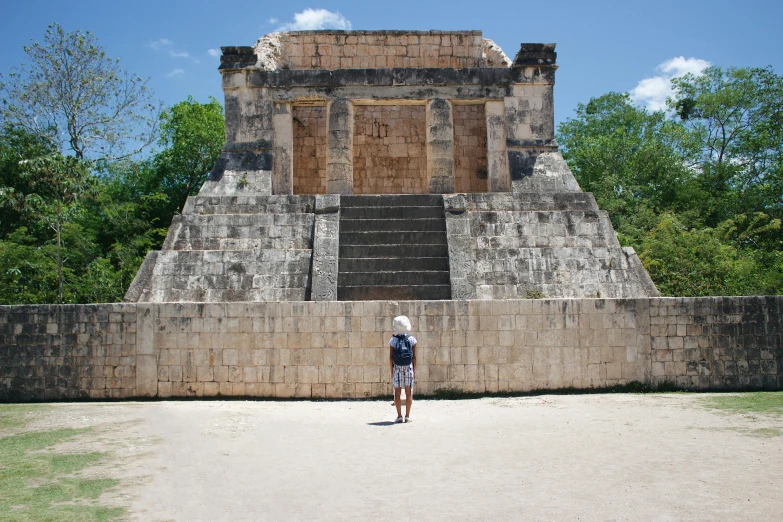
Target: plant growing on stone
{"type": "Point", "coordinates": [78, 99]}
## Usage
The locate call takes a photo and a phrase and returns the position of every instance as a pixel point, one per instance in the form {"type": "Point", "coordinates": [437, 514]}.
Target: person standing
{"type": "Point", "coordinates": [402, 362]}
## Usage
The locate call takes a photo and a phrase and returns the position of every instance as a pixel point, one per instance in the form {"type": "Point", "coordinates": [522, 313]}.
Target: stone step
{"type": "Point", "coordinates": [392, 225]}
{"type": "Point", "coordinates": [560, 272]}
{"type": "Point", "coordinates": [394, 251]}
{"type": "Point", "coordinates": [392, 238]}
{"type": "Point", "coordinates": [370, 264]}
{"type": "Point", "coordinates": [401, 212]}
{"type": "Point", "coordinates": [382, 293]}
{"type": "Point", "coordinates": [240, 232]}
{"type": "Point", "coordinates": [278, 204]}
{"type": "Point", "coordinates": [392, 200]}
{"type": "Point", "coordinates": [219, 295]}
{"type": "Point", "coordinates": [531, 201]}
{"type": "Point", "coordinates": [376, 278]}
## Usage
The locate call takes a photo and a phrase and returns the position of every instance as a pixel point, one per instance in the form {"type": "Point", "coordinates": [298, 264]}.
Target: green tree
{"type": "Point", "coordinates": [59, 182]}
{"type": "Point", "coordinates": [736, 117]}
{"type": "Point", "coordinates": [28, 272]}
{"type": "Point", "coordinates": [193, 134]}
{"type": "Point", "coordinates": [79, 100]}
{"type": "Point", "coordinates": [17, 145]}
{"type": "Point", "coordinates": [637, 163]}
{"type": "Point", "coordinates": [696, 262]}
{"type": "Point", "coordinates": [697, 191]}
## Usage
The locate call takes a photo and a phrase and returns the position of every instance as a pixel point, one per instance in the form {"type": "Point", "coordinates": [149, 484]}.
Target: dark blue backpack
{"type": "Point", "coordinates": [403, 351]}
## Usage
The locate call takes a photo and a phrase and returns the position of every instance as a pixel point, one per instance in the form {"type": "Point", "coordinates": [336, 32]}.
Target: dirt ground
{"type": "Point", "coordinates": [575, 457]}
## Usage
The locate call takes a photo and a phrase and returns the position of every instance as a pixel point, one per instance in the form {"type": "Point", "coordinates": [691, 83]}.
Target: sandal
{"type": "Point", "coordinates": [398, 420]}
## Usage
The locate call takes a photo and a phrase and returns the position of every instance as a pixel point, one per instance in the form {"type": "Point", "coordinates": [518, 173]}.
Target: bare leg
{"type": "Point", "coordinates": [397, 403]}
{"type": "Point", "coordinates": [408, 401]}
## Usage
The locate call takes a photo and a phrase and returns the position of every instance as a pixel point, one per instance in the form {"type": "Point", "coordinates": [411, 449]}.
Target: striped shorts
{"type": "Point", "coordinates": [402, 376]}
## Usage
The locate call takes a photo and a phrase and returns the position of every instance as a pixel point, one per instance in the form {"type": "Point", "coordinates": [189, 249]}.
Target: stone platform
{"type": "Point", "coordinates": [338, 349]}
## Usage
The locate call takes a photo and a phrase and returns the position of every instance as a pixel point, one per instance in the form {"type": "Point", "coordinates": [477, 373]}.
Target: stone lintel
{"type": "Point", "coordinates": [426, 76]}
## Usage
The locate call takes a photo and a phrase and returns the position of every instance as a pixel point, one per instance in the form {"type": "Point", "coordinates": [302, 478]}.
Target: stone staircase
{"type": "Point", "coordinates": [393, 247]}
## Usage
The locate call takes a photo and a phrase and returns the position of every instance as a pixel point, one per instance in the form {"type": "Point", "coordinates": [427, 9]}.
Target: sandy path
{"type": "Point", "coordinates": [589, 457]}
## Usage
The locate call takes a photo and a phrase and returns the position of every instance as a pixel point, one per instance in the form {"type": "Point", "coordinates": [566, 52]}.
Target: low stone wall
{"type": "Point", "coordinates": [338, 349]}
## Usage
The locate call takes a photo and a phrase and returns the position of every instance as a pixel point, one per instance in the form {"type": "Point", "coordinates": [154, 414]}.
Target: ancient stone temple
{"type": "Point", "coordinates": [389, 165]}
{"type": "Point", "coordinates": [369, 174]}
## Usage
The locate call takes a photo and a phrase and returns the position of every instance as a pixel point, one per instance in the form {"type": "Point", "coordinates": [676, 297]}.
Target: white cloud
{"type": "Point", "coordinates": [213, 52]}
{"type": "Point", "coordinates": [161, 43]}
{"type": "Point", "coordinates": [175, 72]}
{"type": "Point", "coordinates": [652, 92]}
{"type": "Point", "coordinates": [312, 19]}
{"type": "Point", "coordinates": [164, 44]}
{"type": "Point", "coordinates": [273, 21]}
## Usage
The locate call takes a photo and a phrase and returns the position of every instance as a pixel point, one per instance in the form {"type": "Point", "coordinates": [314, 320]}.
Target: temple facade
{"type": "Point", "coordinates": [366, 165]}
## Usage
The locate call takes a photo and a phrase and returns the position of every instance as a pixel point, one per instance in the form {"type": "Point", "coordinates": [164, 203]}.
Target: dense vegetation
{"type": "Point", "coordinates": [79, 206]}
{"type": "Point", "coordinates": [697, 190]}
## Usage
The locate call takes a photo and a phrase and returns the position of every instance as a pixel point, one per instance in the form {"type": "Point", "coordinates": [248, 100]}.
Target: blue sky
{"type": "Point", "coordinates": [602, 46]}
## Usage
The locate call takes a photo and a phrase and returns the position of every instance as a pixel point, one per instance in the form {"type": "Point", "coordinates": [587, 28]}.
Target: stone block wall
{"type": "Point", "coordinates": [389, 150]}
{"type": "Point", "coordinates": [232, 248]}
{"type": "Point", "coordinates": [68, 352]}
{"type": "Point", "coordinates": [378, 49]}
{"type": "Point", "coordinates": [470, 148]}
{"type": "Point", "coordinates": [536, 244]}
{"type": "Point", "coordinates": [717, 342]}
{"type": "Point", "coordinates": [338, 349]}
{"type": "Point", "coordinates": [309, 151]}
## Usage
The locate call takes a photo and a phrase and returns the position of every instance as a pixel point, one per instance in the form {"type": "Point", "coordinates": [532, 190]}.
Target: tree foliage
{"type": "Point", "coordinates": [78, 100]}
{"type": "Point", "coordinates": [696, 190]}
{"type": "Point", "coordinates": [193, 134]}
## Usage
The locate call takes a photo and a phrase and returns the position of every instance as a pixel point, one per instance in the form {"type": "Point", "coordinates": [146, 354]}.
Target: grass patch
{"type": "Point", "coordinates": [766, 432]}
{"type": "Point", "coordinates": [751, 402]}
{"type": "Point", "coordinates": [38, 484]}
{"type": "Point", "coordinates": [13, 415]}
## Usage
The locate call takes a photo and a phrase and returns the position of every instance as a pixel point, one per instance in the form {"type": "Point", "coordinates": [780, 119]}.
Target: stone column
{"type": "Point", "coordinates": [283, 147]}
{"type": "Point", "coordinates": [497, 157]}
{"type": "Point", "coordinates": [440, 146]}
{"type": "Point", "coordinates": [339, 147]}
{"type": "Point", "coordinates": [326, 246]}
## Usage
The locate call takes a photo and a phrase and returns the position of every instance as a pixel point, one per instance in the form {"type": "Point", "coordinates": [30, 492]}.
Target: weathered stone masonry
{"type": "Point", "coordinates": [435, 155]}
{"type": "Point", "coordinates": [338, 349]}
{"type": "Point", "coordinates": [348, 113]}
